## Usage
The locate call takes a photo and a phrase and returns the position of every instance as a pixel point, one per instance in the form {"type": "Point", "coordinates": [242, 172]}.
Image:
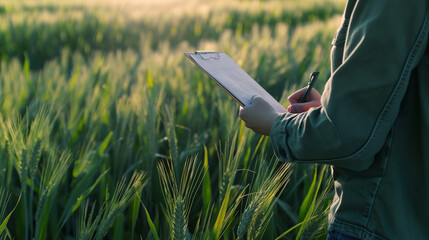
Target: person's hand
{"type": "Point", "coordinates": [313, 100]}
{"type": "Point", "coordinates": [259, 115]}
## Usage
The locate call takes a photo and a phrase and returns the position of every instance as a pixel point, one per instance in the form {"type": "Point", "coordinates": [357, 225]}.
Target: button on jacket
{"type": "Point", "coordinates": [373, 125]}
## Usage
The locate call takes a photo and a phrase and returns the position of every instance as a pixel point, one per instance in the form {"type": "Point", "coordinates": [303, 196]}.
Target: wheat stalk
{"type": "Point", "coordinates": [245, 220]}
{"type": "Point", "coordinates": [122, 197]}
{"type": "Point", "coordinates": [179, 220]}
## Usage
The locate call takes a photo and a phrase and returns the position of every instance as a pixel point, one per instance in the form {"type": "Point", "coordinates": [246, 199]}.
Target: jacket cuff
{"type": "Point", "coordinates": [278, 136]}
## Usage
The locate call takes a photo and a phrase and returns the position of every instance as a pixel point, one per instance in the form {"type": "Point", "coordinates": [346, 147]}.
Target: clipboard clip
{"type": "Point", "coordinates": [207, 55]}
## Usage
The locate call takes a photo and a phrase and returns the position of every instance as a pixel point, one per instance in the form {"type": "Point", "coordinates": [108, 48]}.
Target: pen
{"type": "Point", "coordinates": [313, 78]}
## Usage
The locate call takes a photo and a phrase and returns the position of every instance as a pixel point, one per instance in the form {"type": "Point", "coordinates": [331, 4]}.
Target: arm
{"type": "Point", "coordinates": [362, 98]}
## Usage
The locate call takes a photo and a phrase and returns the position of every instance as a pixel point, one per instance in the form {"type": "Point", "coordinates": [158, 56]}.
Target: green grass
{"type": "Point", "coordinates": [108, 132]}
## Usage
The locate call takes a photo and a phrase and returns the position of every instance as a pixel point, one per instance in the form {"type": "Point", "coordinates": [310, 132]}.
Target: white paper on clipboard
{"type": "Point", "coordinates": [231, 77]}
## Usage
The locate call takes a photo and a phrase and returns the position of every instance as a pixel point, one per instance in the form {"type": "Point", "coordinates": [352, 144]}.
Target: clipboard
{"type": "Point", "coordinates": [231, 78]}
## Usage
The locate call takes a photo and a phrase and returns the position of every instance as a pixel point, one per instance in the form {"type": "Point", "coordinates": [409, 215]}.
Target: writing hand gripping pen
{"type": "Point", "coordinates": [305, 98]}
{"type": "Point", "coordinates": [313, 78]}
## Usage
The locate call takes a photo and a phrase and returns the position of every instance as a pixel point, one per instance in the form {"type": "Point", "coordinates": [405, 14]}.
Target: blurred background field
{"type": "Point", "coordinates": [108, 132]}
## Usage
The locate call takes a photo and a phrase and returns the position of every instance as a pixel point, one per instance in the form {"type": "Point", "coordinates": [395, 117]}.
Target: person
{"type": "Point", "coordinates": [371, 123]}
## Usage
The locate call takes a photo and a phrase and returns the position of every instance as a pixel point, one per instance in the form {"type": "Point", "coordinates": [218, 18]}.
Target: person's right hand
{"type": "Point", "coordinates": [313, 100]}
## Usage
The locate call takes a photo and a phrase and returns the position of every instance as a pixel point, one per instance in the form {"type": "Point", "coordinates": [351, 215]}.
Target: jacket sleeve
{"type": "Point", "coordinates": [361, 100]}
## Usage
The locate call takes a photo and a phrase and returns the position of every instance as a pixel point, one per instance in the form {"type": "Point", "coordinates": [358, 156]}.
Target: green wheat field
{"type": "Point", "coordinates": [107, 131]}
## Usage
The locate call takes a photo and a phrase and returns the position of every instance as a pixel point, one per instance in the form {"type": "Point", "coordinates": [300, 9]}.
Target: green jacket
{"type": "Point", "coordinates": [373, 125]}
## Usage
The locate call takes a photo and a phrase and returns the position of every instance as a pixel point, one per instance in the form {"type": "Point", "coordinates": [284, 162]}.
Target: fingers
{"type": "Point", "coordinates": [253, 98]}
{"type": "Point", "coordinates": [303, 107]}
{"type": "Point", "coordinates": [243, 113]}
{"type": "Point", "coordinates": [296, 97]}
{"type": "Point", "coordinates": [259, 115]}
{"type": "Point", "coordinates": [257, 99]}
{"type": "Point", "coordinates": [248, 125]}
{"type": "Point", "coordinates": [246, 110]}
{"type": "Point", "coordinates": [314, 96]}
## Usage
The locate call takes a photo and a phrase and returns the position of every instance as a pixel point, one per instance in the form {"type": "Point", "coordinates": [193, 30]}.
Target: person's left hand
{"type": "Point", "coordinates": [259, 115]}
